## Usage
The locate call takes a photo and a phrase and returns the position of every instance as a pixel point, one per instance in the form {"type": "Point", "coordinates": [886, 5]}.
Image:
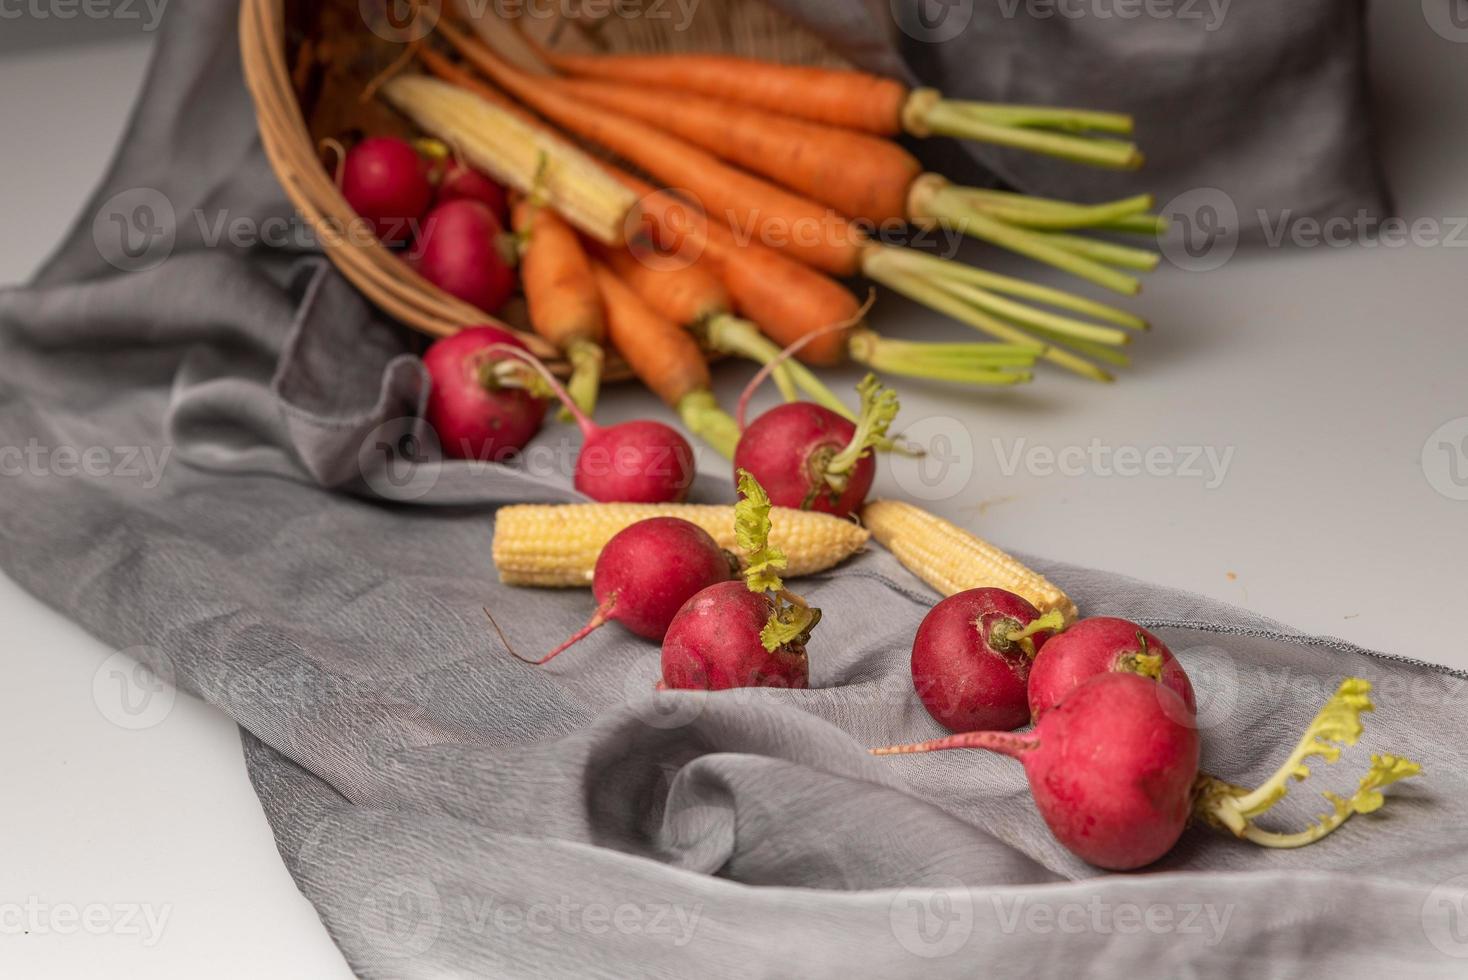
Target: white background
{"type": "Point", "coordinates": [1323, 370]}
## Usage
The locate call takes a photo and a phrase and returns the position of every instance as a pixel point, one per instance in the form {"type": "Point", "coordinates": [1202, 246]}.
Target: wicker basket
{"type": "Point", "coordinates": [739, 26]}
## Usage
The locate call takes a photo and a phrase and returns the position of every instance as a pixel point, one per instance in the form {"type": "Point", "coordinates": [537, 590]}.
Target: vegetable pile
{"type": "Point", "coordinates": [728, 199]}
{"type": "Point", "coordinates": [1113, 757]}
{"type": "Point", "coordinates": [750, 190]}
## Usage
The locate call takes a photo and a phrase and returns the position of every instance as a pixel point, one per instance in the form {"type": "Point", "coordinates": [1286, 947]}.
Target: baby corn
{"type": "Point", "coordinates": [516, 154]}
{"type": "Point", "coordinates": [557, 544]}
{"type": "Point", "coordinates": [952, 560]}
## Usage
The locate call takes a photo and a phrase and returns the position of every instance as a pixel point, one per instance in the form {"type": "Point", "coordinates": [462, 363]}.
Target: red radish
{"type": "Point", "coordinates": [1098, 645]}
{"type": "Point", "coordinates": [810, 458]}
{"type": "Point", "coordinates": [1111, 768]}
{"type": "Point", "coordinates": [742, 634]}
{"type": "Point", "coordinates": [459, 181]}
{"type": "Point", "coordinates": [386, 182]}
{"type": "Point", "coordinates": [645, 574]}
{"type": "Point", "coordinates": [1114, 771]}
{"type": "Point", "coordinates": [478, 404]}
{"type": "Point", "coordinates": [459, 250]}
{"type": "Point", "coordinates": [639, 462]}
{"type": "Point", "coordinates": [971, 658]}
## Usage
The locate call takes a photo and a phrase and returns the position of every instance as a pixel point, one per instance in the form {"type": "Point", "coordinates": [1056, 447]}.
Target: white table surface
{"type": "Point", "coordinates": [1323, 371]}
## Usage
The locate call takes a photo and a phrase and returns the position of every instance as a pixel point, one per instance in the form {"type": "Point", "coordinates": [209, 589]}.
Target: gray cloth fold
{"type": "Point", "coordinates": [451, 811]}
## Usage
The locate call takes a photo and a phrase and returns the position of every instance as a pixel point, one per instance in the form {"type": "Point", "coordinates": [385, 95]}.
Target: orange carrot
{"type": "Point", "coordinates": [867, 103]}
{"type": "Point", "coordinates": [692, 293]}
{"type": "Point", "coordinates": [787, 299]}
{"type": "Point", "coordinates": [810, 231]}
{"type": "Point", "coordinates": [850, 99]}
{"type": "Point", "coordinates": [859, 175]}
{"type": "Point", "coordinates": [684, 292]}
{"type": "Point", "coordinates": [666, 359]}
{"type": "Point", "coordinates": [661, 353]}
{"type": "Point", "coordinates": [563, 299]}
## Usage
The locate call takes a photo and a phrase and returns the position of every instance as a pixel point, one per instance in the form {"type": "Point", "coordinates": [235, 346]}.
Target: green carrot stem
{"type": "Point", "coordinates": [917, 353]}
{"type": "Point", "coordinates": [1139, 224]}
{"type": "Point", "coordinates": [933, 294]}
{"type": "Point", "coordinates": [586, 360]}
{"type": "Point", "coordinates": [1124, 256]}
{"type": "Point", "coordinates": [1025, 205]}
{"type": "Point", "coordinates": [931, 266]}
{"type": "Point", "coordinates": [705, 419]}
{"type": "Point", "coordinates": [1088, 348]}
{"type": "Point", "coordinates": [968, 376]}
{"type": "Point", "coordinates": [1074, 120]}
{"type": "Point", "coordinates": [731, 335]}
{"type": "Point", "coordinates": [949, 208]}
{"type": "Point", "coordinates": [1031, 317]}
{"type": "Point", "coordinates": [1058, 218]}
{"type": "Point", "coordinates": [954, 119]}
{"type": "Point", "coordinates": [893, 357]}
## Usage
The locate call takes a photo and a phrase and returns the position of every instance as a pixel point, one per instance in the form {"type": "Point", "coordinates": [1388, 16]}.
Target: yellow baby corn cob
{"type": "Point", "coordinates": [952, 560]}
{"type": "Point", "coordinates": [516, 154]}
{"type": "Point", "coordinates": [557, 544]}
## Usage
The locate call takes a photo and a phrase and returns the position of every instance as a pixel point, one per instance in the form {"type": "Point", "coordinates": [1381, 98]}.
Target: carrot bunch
{"type": "Point", "coordinates": [780, 173]}
{"type": "Point", "coordinates": [866, 103]}
{"type": "Point", "coordinates": [871, 179]}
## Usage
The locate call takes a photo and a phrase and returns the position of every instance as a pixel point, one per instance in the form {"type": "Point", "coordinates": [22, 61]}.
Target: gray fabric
{"type": "Point", "coordinates": [451, 811]}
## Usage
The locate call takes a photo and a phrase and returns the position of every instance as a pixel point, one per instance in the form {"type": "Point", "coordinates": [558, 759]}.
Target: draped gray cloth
{"type": "Point", "coordinates": [450, 811]}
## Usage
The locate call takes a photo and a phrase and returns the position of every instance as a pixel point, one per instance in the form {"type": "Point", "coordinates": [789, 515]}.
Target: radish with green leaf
{"type": "Point", "coordinates": [971, 658]}
{"type": "Point", "coordinates": [1098, 645]}
{"type": "Point", "coordinates": [1113, 769]}
{"type": "Point", "coordinates": [810, 458]}
{"type": "Point", "coordinates": [482, 404]}
{"type": "Point", "coordinates": [749, 633]}
{"type": "Point", "coordinates": [645, 574]}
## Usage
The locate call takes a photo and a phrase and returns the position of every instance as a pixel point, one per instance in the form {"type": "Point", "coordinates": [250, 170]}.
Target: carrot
{"type": "Point", "coordinates": [787, 299]}
{"type": "Point", "coordinates": [562, 296]}
{"type": "Point", "coordinates": [692, 294]}
{"type": "Point", "coordinates": [867, 103]}
{"type": "Point", "coordinates": [666, 359]}
{"type": "Point", "coordinates": [849, 99]}
{"type": "Point", "coordinates": [813, 233]}
{"type": "Point", "coordinates": [857, 174]}
{"type": "Point", "coordinates": [791, 302]}
{"type": "Point", "coordinates": [871, 179]}
{"type": "Point", "coordinates": [684, 292]}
